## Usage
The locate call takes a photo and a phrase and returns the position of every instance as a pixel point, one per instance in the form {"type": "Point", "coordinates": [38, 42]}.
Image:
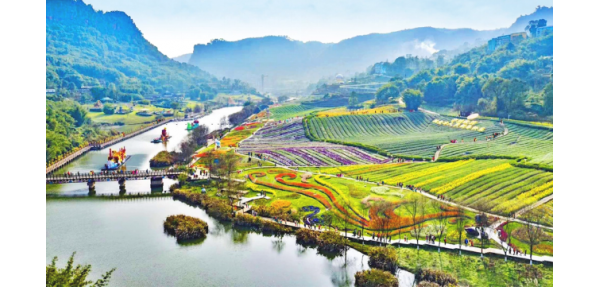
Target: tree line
{"type": "Point", "coordinates": [513, 81]}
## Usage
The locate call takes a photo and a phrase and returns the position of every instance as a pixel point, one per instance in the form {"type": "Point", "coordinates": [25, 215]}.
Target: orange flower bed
{"type": "Point", "coordinates": [375, 214]}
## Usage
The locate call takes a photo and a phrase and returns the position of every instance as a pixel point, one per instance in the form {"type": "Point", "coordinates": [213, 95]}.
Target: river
{"type": "Point", "coordinates": [128, 235]}
{"type": "Point", "coordinates": [141, 150]}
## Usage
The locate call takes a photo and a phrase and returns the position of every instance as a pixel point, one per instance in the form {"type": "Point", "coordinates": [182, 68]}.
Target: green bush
{"type": "Point", "coordinates": [436, 276]}
{"type": "Point", "coordinates": [108, 109]}
{"type": "Point", "coordinates": [307, 236]}
{"type": "Point", "coordinates": [162, 159]}
{"type": "Point", "coordinates": [185, 227]}
{"type": "Point", "coordinates": [375, 278]}
{"type": "Point", "coordinates": [331, 242]}
{"type": "Point", "coordinates": [384, 258]}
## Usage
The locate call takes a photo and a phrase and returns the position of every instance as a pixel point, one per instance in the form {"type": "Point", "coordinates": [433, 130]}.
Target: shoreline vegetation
{"type": "Point", "coordinates": [162, 159]}
{"type": "Point", "coordinates": [185, 227]}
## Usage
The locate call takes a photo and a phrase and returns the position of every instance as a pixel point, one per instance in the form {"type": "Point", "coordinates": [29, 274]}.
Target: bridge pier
{"type": "Point", "coordinates": [122, 186]}
{"type": "Point", "coordinates": [156, 183]}
{"type": "Point", "coordinates": [92, 187]}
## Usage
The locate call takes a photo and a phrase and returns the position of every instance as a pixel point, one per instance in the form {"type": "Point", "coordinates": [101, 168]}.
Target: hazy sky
{"type": "Point", "coordinates": [174, 26]}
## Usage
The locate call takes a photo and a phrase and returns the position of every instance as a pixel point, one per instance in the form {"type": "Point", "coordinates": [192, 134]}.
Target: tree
{"type": "Point", "coordinates": [548, 99]}
{"type": "Point", "coordinates": [73, 276]}
{"type": "Point", "coordinates": [197, 109]}
{"type": "Point", "coordinates": [386, 92]}
{"type": "Point", "coordinates": [98, 93]}
{"type": "Point", "coordinates": [434, 90]}
{"type": "Point", "coordinates": [108, 109]}
{"type": "Point", "coordinates": [482, 220]}
{"type": "Point", "coordinates": [282, 99]}
{"type": "Point", "coordinates": [468, 94]}
{"type": "Point", "coordinates": [175, 105]}
{"type": "Point", "coordinates": [412, 99]}
{"type": "Point", "coordinates": [461, 69]}
{"type": "Point", "coordinates": [200, 135]}
{"type": "Point", "coordinates": [534, 232]}
{"type": "Point", "coordinates": [415, 207]}
{"type": "Point", "coordinates": [182, 178]}
{"type": "Point", "coordinates": [506, 241]}
{"type": "Point", "coordinates": [512, 96]}
{"type": "Point", "coordinates": [459, 227]}
{"type": "Point", "coordinates": [440, 221]}
{"type": "Point", "coordinates": [223, 122]}
{"type": "Point", "coordinates": [352, 100]}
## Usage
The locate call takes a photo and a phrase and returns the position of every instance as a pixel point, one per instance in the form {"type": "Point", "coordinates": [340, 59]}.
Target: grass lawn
{"type": "Point", "coordinates": [127, 119]}
{"type": "Point", "coordinates": [471, 270]}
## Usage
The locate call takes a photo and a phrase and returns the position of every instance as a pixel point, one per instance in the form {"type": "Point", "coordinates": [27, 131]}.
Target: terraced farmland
{"type": "Point", "coordinates": [520, 141]}
{"type": "Point", "coordinates": [286, 144]}
{"type": "Point", "coordinates": [492, 184]}
{"type": "Point", "coordinates": [407, 134]}
{"type": "Point", "coordinates": [291, 111]}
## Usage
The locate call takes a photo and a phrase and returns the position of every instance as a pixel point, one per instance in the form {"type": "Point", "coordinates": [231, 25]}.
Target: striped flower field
{"type": "Point", "coordinates": [407, 134]}
{"type": "Point", "coordinates": [285, 144]}
{"type": "Point", "coordinates": [494, 185]}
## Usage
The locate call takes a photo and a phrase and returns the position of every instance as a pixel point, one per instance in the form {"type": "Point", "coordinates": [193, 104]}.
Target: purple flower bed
{"type": "Point", "coordinates": [363, 156]}
{"type": "Point", "coordinates": [309, 158]}
{"type": "Point", "coordinates": [334, 156]}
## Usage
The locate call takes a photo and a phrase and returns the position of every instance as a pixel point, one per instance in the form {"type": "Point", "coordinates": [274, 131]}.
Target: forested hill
{"type": "Point", "coordinates": [89, 47]}
{"type": "Point", "coordinates": [514, 80]}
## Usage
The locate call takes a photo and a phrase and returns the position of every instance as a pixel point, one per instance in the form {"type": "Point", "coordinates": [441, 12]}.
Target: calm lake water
{"type": "Point", "coordinates": [128, 235]}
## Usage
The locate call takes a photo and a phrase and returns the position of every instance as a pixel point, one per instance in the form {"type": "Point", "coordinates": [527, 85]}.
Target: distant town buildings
{"type": "Point", "coordinates": [497, 42]}
{"type": "Point", "coordinates": [536, 28]}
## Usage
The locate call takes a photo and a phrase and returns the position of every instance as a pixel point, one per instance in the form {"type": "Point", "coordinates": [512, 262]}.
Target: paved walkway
{"type": "Point", "coordinates": [400, 243]}
{"type": "Point", "coordinates": [245, 200]}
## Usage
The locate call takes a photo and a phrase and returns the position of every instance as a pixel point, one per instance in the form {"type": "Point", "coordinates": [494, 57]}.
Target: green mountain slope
{"type": "Point", "coordinates": [89, 47]}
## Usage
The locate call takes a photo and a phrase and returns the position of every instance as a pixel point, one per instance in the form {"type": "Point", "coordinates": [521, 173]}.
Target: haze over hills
{"type": "Point", "coordinates": [291, 64]}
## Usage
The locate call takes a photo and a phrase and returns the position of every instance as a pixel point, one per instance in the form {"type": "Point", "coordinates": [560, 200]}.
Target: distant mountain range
{"type": "Point", "coordinates": [288, 63]}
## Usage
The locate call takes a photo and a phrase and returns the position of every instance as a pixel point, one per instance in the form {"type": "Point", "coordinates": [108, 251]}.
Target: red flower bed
{"type": "Point", "coordinates": [503, 234]}
{"type": "Point", "coordinates": [240, 128]}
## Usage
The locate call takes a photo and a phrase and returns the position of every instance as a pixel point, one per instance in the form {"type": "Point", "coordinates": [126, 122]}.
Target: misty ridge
{"type": "Point", "coordinates": [290, 65]}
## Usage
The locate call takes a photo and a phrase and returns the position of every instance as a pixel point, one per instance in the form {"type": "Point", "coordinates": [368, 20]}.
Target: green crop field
{"type": "Point", "coordinates": [292, 110]}
{"type": "Point", "coordinates": [521, 141]}
{"type": "Point", "coordinates": [407, 134]}
{"type": "Point", "coordinates": [494, 185]}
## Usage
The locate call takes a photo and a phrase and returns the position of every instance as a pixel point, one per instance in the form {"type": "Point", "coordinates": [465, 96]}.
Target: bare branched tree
{"type": "Point", "coordinates": [460, 226]}
{"type": "Point", "coordinates": [440, 221]}
{"type": "Point", "coordinates": [534, 232]}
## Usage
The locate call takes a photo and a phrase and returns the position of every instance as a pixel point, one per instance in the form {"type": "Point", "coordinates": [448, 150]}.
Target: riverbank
{"type": "Point", "coordinates": [466, 267]}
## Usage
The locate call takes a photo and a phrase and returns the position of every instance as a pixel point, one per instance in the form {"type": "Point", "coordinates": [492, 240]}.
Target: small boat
{"type": "Point", "coordinates": [193, 125]}
{"type": "Point", "coordinates": [163, 137]}
{"type": "Point", "coordinates": [116, 159]}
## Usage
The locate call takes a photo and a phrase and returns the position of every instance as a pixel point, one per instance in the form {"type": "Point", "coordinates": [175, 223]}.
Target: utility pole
{"type": "Point", "coordinates": [263, 83]}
